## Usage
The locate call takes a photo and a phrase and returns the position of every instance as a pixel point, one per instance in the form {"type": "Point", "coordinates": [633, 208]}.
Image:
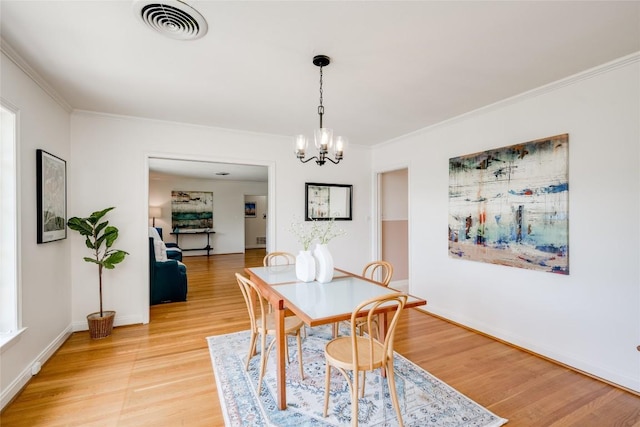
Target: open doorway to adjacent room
{"type": "Point", "coordinates": [225, 187]}
{"type": "Point", "coordinates": [255, 221]}
{"type": "Point", "coordinates": [393, 196]}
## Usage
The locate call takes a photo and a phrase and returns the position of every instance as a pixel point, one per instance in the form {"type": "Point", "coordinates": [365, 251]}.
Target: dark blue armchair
{"type": "Point", "coordinates": [168, 279]}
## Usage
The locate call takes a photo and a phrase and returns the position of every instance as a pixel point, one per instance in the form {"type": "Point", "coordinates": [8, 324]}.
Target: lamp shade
{"type": "Point", "coordinates": [300, 145]}
{"type": "Point", "coordinates": [155, 212]}
{"type": "Point", "coordinates": [323, 139]}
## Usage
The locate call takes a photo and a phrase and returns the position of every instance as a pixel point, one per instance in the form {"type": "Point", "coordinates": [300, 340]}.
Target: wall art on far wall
{"type": "Point", "coordinates": [191, 210]}
{"type": "Point", "coordinates": [510, 205]}
{"type": "Point", "coordinates": [51, 176]}
{"type": "Point", "coordinates": [250, 209]}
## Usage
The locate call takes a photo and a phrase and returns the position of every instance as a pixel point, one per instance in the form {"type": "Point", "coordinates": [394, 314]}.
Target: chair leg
{"type": "Point", "coordinates": [327, 381]}
{"type": "Point", "coordinates": [392, 390]}
{"type": "Point", "coordinates": [354, 399]}
{"type": "Point", "coordinates": [364, 381]}
{"type": "Point", "coordinates": [263, 360]}
{"type": "Point", "coordinates": [286, 348]}
{"type": "Point", "coordinates": [252, 348]}
{"type": "Point", "coordinates": [300, 354]}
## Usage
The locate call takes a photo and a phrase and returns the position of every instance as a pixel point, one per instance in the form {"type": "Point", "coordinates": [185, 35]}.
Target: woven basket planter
{"type": "Point", "coordinates": [100, 327]}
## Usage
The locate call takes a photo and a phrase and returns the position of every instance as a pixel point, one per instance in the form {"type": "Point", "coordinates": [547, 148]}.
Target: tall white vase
{"type": "Point", "coordinates": [305, 266]}
{"type": "Point", "coordinates": [324, 263]}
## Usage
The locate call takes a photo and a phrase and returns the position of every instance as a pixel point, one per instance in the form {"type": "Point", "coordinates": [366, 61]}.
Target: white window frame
{"type": "Point", "coordinates": [10, 300]}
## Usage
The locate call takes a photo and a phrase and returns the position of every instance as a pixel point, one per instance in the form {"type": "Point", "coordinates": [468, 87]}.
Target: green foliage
{"type": "Point", "coordinates": [99, 238]}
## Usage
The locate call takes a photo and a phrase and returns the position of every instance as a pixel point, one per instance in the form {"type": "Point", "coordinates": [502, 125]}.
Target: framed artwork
{"type": "Point", "coordinates": [249, 209]}
{"type": "Point", "coordinates": [51, 177]}
{"type": "Point", "coordinates": [510, 205]}
{"type": "Point", "coordinates": [324, 202]}
{"type": "Point", "coordinates": [191, 210]}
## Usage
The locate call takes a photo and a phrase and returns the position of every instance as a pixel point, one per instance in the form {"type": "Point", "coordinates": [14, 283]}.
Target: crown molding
{"type": "Point", "coordinates": [558, 84]}
{"type": "Point", "coordinates": [11, 53]}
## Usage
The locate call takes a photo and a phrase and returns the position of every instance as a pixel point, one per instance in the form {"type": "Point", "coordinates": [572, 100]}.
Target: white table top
{"type": "Point", "coordinates": [321, 300]}
{"type": "Point", "coordinates": [278, 274]}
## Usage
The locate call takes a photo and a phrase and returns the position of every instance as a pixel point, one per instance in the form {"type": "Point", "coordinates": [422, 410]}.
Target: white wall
{"type": "Point", "coordinates": [109, 167]}
{"type": "Point", "coordinates": [228, 211]}
{"type": "Point", "coordinates": [589, 319]}
{"type": "Point", "coordinates": [45, 269]}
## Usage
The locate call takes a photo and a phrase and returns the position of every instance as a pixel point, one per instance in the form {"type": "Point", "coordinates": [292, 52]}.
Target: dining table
{"type": "Point", "coordinates": [315, 304]}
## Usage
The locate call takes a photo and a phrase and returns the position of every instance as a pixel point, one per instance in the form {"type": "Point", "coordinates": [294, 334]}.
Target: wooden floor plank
{"type": "Point", "coordinates": [160, 374]}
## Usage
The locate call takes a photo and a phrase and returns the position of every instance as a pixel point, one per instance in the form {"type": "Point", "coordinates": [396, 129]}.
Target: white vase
{"type": "Point", "coordinates": [305, 266]}
{"type": "Point", "coordinates": [324, 263]}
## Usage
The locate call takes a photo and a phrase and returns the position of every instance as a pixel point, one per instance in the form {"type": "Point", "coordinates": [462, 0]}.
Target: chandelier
{"type": "Point", "coordinates": [323, 137]}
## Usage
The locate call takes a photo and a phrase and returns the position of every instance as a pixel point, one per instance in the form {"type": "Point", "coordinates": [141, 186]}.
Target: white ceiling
{"type": "Point", "coordinates": [397, 66]}
{"type": "Point", "coordinates": [168, 168]}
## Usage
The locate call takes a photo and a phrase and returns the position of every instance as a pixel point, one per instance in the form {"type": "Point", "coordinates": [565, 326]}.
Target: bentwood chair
{"type": "Point", "coordinates": [378, 271]}
{"type": "Point", "coordinates": [264, 325]}
{"type": "Point", "coordinates": [383, 268]}
{"type": "Point", "coordinates": [279, 258]}
{"type": "Point", "coordinates": [362, 354]}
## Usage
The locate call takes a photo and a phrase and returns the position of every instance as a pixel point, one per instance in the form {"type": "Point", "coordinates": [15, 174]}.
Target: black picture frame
{"type": "Point", "coordinates": [325, 202]}
{"type": "Point", "coordinates": [51, 178]}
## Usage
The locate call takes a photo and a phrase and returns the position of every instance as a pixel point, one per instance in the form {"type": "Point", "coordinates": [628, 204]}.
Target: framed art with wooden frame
{"type": "Point", "coordinates": [51, 178]}
{"type": "Point", "coordinates": [324, 202]}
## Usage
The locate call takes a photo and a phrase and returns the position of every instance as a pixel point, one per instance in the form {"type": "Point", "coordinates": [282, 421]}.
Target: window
{"type": "Point", "coordinates": [9, 298]}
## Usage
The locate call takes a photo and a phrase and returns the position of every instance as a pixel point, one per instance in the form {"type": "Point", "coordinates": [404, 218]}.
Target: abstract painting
{"type": "Point", "coordinates": [510, 205]}
{"type": "Point", "coordinates": [191, 210]}
{"type": "Point", "coordinates": [51, 189]}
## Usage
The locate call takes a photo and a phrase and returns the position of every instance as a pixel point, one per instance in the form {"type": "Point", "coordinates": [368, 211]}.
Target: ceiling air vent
{"type": "Point", "coordinates": [171, 18]}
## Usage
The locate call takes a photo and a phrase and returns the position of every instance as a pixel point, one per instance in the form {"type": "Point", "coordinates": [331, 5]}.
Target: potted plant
{"type": "Point", "coordinates": [99, 238]}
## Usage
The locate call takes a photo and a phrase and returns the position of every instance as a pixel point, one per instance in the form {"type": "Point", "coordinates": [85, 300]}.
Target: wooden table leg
{"type": "Point", "coordinates": [280, 362]}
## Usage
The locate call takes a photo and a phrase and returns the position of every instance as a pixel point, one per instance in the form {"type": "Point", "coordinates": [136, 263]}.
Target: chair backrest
{"type": "Point", "coordinates": [392, 304]}
{"type": "Point", "coordinates": [247, 287]}
{"type": "Point", "coordinates": [383, 268]}
{"type": "Point", "coordinates": [153, 232]}
{"type": "Point", "coordinates": [152, 260]}
{"type": "Point", "coordinates": [278, 258]}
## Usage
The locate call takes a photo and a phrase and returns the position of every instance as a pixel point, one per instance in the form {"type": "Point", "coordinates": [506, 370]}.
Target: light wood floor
{"type": "Point", "coordinates": [160, 374]}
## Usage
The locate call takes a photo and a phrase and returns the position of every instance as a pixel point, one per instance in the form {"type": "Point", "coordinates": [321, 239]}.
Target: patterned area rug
{"type": "Point", "coordinates": [424, 399]}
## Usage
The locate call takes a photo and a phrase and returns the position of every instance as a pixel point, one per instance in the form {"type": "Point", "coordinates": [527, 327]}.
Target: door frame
{"type": "Point", "coordinates": [271, 194]}
{"type": "Point", "coordinates": [376, 224]}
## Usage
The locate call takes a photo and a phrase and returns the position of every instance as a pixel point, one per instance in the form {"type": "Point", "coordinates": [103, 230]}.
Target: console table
{"type": "Point", "coordinates": [207, 248]}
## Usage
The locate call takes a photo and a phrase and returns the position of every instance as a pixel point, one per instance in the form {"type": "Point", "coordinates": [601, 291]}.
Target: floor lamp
{"type": "Point", "coordinates": [154, 212]}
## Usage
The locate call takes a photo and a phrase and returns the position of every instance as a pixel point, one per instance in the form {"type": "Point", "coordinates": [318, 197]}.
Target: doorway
{"type": "Point", "coordinates": [229, 183]}
{"type": "Point", "coordinates": [255, 222]}
{"type": "Point", "coordinates": [393, 190]}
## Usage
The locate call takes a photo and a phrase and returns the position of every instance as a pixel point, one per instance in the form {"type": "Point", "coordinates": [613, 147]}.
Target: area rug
{"type": "Point", "coordinates": [424, 399]}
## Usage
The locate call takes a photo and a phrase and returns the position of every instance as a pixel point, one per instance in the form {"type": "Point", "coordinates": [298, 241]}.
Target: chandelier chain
{"type": "Point", "coordinates": [321, 107]}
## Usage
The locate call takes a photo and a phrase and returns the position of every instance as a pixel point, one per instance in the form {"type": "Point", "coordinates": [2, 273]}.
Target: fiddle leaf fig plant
{"type": "Point", "coordinates": [99, 238]}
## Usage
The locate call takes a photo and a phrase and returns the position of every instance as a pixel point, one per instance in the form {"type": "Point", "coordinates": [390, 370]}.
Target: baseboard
{"type": "Point", "coordinates": [9, 393]}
